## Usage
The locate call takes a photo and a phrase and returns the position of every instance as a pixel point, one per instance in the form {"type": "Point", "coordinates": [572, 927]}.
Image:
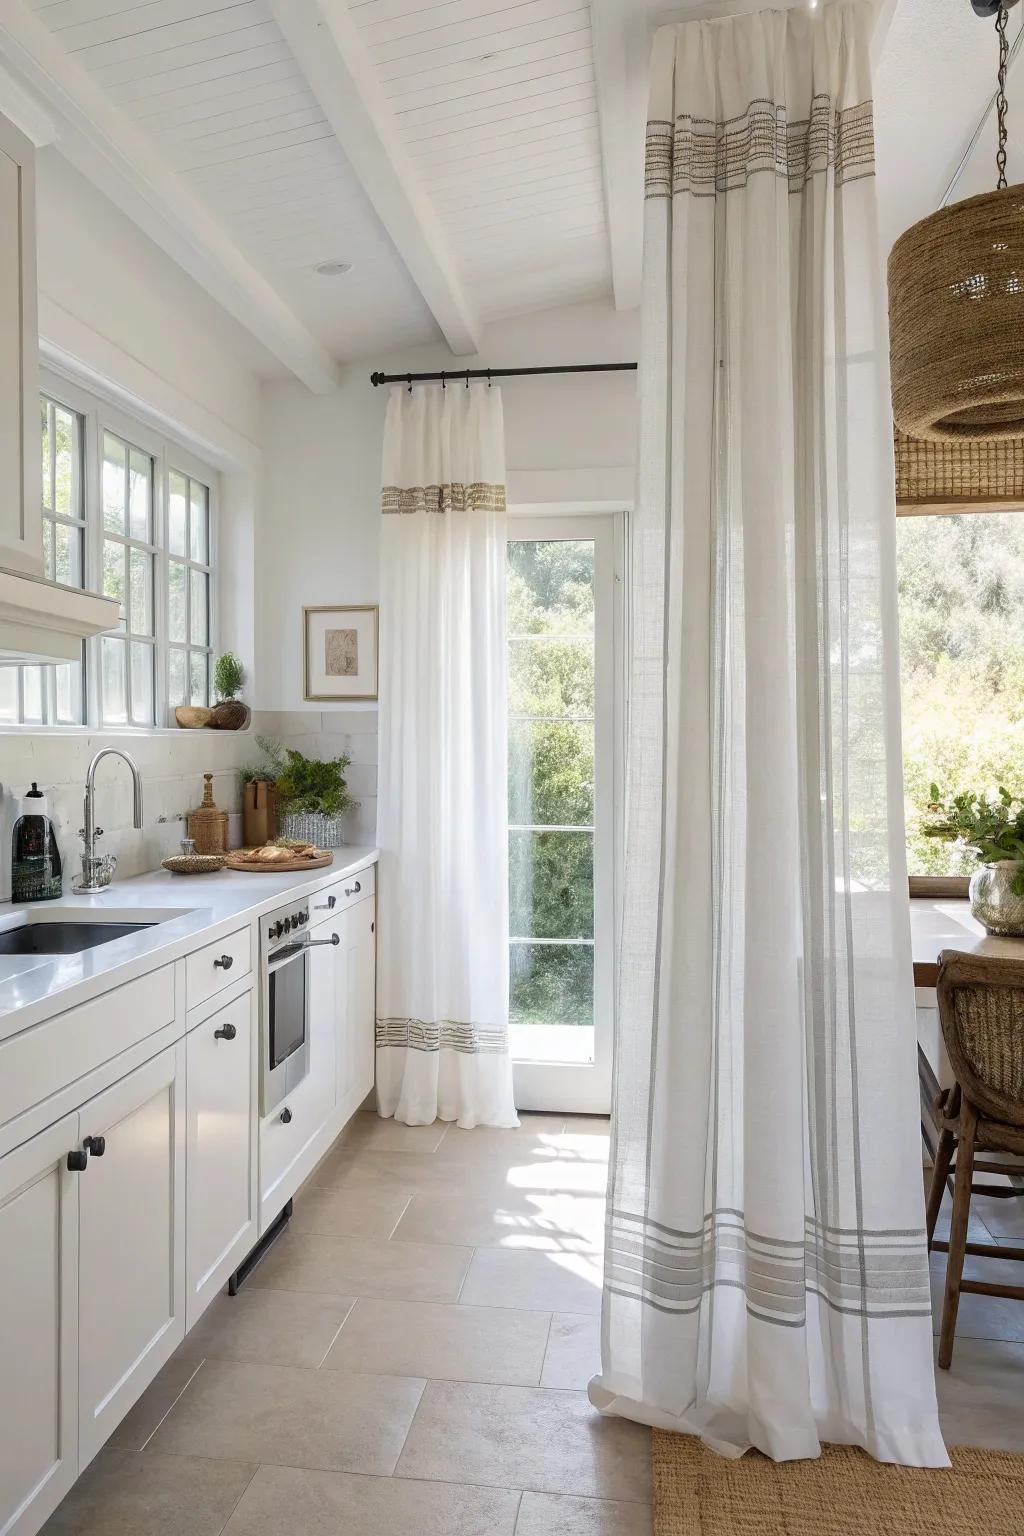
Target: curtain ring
{"type": "Point", "coordinates": [409, 381]}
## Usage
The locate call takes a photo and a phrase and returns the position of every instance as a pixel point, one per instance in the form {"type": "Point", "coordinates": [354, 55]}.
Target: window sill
{"type": "Point", "coordinates": [129, 732]}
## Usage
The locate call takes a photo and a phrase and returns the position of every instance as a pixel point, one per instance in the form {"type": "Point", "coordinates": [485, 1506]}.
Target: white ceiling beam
{"type": "Point", "coordinates": [124, 164]}
{"type": "Point", "coordinates": [331, 55]}
{"type": "Point", "coordinates": [621, 38]}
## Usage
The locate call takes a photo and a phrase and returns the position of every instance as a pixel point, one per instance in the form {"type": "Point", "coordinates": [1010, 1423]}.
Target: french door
{"type": "Point", "coordinates": [564, 651]}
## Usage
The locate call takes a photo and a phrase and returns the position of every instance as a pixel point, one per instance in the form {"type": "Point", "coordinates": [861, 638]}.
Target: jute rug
{"type": "Point", "coordinates": [844, 1493]}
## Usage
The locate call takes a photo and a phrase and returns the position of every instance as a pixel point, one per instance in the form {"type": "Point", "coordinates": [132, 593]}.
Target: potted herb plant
{"type": "Point", "coordinates": [992, 828]}
{"type": "Point", "coordinates": [229, 713]}
{"type": "Point", "coordinates": [312, 797]}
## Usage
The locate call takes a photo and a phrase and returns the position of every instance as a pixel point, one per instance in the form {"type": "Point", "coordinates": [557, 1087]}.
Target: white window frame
{"type": "Point", "coordinates": [101, 415]}
{"type": "Point", "coordinates": [585, 1087]}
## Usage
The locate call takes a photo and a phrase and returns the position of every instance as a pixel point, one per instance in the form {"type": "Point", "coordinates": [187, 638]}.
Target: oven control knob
{"type": "Point", "coordinates": [276, 930]}
{"type": "Point", "coordinates": [287, 925]}
{"type": "Point", "coordinates": [303, 917]}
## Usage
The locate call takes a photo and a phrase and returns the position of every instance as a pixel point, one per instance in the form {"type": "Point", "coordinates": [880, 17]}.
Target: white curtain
{"type": "Point", "coordinates": [442, 981]}
{"type": "Point", "coordinates": [766, 1279]}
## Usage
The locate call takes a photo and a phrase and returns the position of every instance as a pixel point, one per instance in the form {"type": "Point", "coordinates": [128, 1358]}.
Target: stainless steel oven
{"type": "Point", "coordinates": [284, 1011]}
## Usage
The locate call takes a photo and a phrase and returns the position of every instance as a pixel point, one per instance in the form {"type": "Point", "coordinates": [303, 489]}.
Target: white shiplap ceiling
{"type": "Point", "coordinates": [470, 158]}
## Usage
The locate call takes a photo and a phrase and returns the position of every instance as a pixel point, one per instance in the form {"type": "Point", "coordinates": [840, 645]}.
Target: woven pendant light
{"type": "Point", "coordinates": [956, 306]}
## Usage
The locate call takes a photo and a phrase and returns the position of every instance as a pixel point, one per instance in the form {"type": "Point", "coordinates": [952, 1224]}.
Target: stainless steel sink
{"type": "Point", "coordinates": [58, 938]}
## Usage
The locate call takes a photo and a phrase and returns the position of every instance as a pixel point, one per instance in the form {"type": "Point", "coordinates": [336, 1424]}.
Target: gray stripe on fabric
{"type": "Point", "coordinates": [443, 1035]}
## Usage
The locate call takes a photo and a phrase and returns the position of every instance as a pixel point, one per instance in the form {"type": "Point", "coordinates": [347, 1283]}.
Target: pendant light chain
{"type": "Point", "coordinates": [1001, 104]}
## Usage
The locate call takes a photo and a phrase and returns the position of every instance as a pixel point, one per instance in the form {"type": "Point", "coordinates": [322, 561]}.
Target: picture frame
{"type": "Point", "coordinates": [340, 649]}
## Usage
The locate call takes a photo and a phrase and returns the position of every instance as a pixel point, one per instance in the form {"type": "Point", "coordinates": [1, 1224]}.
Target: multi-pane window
{"type": "Point", "coordinates": [127, 515]}
{"type": "Point", "coordinates": [127, 666]}
{"type": "Point", "coordinates": [52, 695]}
{"type": "Point", "coordinates": [188, 589]}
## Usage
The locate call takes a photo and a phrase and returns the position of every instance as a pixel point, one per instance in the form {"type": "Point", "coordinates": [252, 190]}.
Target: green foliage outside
{"type": "Point", "coordinates": [961, 588]}
{"type": "Point", "coordinates": [551, 778]}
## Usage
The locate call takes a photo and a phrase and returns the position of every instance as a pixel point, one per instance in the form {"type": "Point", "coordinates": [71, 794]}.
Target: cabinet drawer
{"type": "Point", "coordinates": [217, 965]}
{"type": "Point", "coordinates": [43, 1060]}
{"type": "Point", "coordinates": [342, 894]}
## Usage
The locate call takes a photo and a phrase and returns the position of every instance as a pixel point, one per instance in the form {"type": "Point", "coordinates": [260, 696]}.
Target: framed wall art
{"type": "Point", "coordinates": [340, 653]}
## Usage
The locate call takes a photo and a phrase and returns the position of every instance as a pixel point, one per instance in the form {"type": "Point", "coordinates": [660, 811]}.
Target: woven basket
{"type": "Point", "coordinates": [956, 320]}
{"type": "Point", "coordinates": [208, 826]}
{"type": "Point", "coordinates": [311, 827]}
{"type": "Point", "coordinates": [963, 475]}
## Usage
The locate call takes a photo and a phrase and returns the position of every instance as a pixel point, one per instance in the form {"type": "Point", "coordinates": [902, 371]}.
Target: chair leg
{"type": "Point", "coordinates": [958, 1230]}
{"type": "Point", "coordinates": [940, 1173]}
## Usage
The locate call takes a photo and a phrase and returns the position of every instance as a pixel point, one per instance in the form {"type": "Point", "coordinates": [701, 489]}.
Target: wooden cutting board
{"type": "Point", "coordinates": [278, 866]}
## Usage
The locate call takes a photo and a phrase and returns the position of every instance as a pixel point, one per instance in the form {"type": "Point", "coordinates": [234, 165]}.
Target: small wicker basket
{"type": "Point", "coordinates": [311, 827]}
{"type": "Point", "coordinates": [208, 826]}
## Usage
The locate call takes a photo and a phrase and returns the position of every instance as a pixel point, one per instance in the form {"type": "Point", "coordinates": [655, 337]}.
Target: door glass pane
{"type": "Point", "coordinates": [551, 773]}
{"type": "Point", "coordinates": [9, 695]}
{"type": "Point", "coordinates": [115, 692]}
{"type": "Point", "coordinates": [199, 687]}
{"type": "Point", "coordinates": [177, 512]}
{"type": "Point", "coordinates": [114, 465]}
{"type": "Point", "coordinates": [197, 609]}
{"type": "Point", "coordinates": [140, 482]}
{"type": "Point", "coordinates": [551, 669]}
{"type": "Point", "coordinates": [551, 885]}
{"type": "Point", "coordinates": [177, 677]}
{"type": "Point", "coordinates": [142, 683]}
{"type": "Point", "coordinates": [552, 984]}
{"type": "Point", "coordinates": [67, 679]}
{"type": "Point", "coordinates": [141, 569]}
{"type": "Point", "coordinates": [198, 523]}
{"type": "Point", "coordinates": [49, 549]}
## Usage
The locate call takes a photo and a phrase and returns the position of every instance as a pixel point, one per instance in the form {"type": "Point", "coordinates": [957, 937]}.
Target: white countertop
{"type": "Point", "coordinates": [186, 910]}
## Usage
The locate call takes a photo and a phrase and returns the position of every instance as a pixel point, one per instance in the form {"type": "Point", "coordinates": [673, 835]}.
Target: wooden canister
{"type": "Point", "coordinates": [259, 813]}
{"type": "Point", "coordinates": [208, 827]}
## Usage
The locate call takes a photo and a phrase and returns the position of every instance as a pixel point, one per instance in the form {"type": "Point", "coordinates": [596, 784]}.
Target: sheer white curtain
{"type": "Point", "coordinates": [766, 1279]}
{"type": "Point", "coordinates": [442, 977]}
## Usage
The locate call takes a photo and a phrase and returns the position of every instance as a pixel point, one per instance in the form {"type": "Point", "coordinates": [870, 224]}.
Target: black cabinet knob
{"type": "Point", "coordinates": [226, 1032]}
{"type": "Point", "coordinates": [95, 1145]}
{"type": "Point", "coordinates": [286, 1117]}
{"type": "Point", "coordinates": [78, 1162]}
{"type": "Point", "coordinates": [353, 890]}
{"type": "Point", "coordinates": [225, 962]}
{"type": "Point", "coordinates": [329, 905]}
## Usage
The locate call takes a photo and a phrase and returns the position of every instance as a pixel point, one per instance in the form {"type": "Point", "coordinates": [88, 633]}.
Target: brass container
{"type": "Point", "coordinates": [208, 826]}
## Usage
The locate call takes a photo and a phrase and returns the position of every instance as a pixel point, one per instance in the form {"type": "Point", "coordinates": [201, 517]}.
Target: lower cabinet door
{"type": "Point", "coordinates": [38, 1327]}
{"type": "Point", "coordinates": [221, 1150]}
{"type": "Point", "coordinates": [131, 1241]}
{"type": "Point", "coordinates": [356, 1008]}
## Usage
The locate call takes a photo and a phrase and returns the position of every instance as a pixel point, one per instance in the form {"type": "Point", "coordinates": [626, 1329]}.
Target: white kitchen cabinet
{"type": "Point", "coordinates": [355, 1015]}
{"type": "Point", "coordinates": [131, 1299]}
{"type": "Point", "coordinates": [38, 1327]}
{"type": "Point", "coordinates": [21, 541]}
{"type": "Point", "coordinates": [221, 1182]}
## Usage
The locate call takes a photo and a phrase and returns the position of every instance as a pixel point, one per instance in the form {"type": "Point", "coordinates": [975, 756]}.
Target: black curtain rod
{"type": "Point", "coordinates": [465, 374]}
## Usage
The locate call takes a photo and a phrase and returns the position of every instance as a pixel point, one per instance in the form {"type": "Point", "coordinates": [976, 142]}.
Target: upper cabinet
{"type": "Point", "coordinates": [21, 539]}
{"type": "Point", "coordinates": [39, 620]}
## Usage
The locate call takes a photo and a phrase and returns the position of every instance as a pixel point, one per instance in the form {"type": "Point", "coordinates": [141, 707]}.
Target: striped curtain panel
{"type": "Point", "coordinates": [442, 976]}
{"type": "Point", "coordinates": [766, 1278]}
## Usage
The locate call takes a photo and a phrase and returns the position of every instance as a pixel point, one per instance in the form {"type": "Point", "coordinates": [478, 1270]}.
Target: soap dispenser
{"type": "Point", "coordinates": [35, 858]}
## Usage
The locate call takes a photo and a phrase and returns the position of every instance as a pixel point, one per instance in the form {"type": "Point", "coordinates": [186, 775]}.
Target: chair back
{"type": "Point", "coordinates": [981, 1009]}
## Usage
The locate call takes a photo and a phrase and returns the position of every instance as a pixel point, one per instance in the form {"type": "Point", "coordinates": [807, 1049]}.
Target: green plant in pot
{"type": "Point", "coordinates": [312, 797]}
{"type": "Point", "coordinates": [229, 713]}
{"type": "Point", "coordinates": [992, 828]}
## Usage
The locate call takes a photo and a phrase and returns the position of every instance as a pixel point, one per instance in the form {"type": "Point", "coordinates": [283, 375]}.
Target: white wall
{"type": "Point", "coordinates": [568, 439]}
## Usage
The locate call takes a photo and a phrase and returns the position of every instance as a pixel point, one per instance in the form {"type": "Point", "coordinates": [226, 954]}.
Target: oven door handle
{"type": "Point", "coordinates": [334, 939]}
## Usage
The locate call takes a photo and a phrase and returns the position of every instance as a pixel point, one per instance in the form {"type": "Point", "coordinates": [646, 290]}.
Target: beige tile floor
{"type": "Point", "coordinates": [412, 1357]}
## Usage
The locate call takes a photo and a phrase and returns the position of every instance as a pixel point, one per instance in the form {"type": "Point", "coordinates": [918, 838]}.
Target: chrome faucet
{"type": "Point", "coordinates": [98, 868]}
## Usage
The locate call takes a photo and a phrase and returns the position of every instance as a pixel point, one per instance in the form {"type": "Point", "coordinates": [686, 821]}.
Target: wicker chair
{"type": "Point", "coordinates": [981, 1009]}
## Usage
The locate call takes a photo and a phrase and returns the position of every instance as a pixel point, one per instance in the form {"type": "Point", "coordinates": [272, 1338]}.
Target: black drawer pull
{"type": "Point", "coordinates": [78, 1162]}
{"type": "Point", "coordinates": [225, 961]}
{"type": "Point", "coordinates": [286, 1117]}
{"type": "Point", "coordinates": [96, 1145]}
{"type": "Point", "coordinates": [353, 890]}
{"type": "Point", "coordinates": [226, 1032]}
{"type": "Point", "coordinates": [329, 905]}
